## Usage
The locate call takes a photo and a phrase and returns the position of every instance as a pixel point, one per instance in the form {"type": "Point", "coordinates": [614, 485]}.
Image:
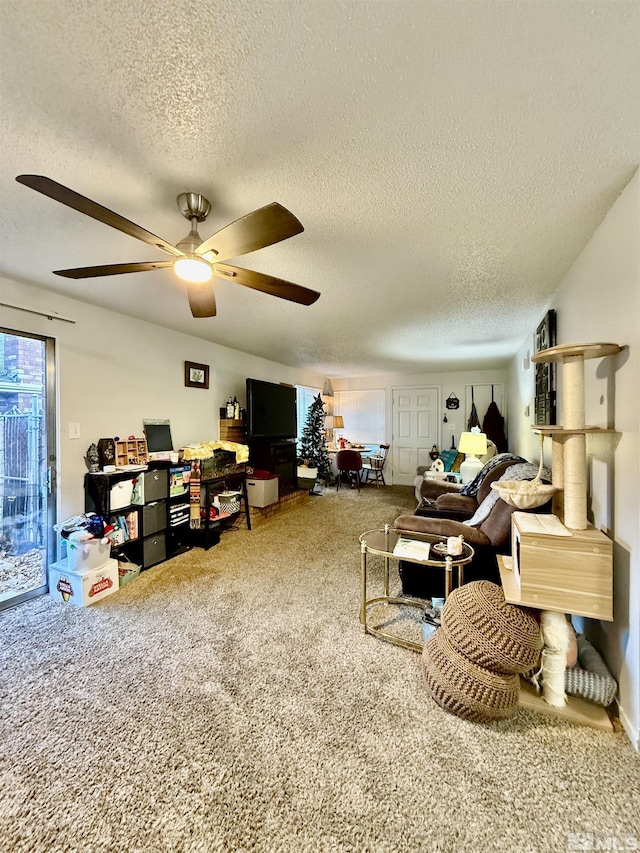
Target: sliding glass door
{"type": "Point", "coordinates": [27, 457]}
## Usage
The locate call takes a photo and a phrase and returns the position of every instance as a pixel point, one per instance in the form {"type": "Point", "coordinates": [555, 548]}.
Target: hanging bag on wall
{"type": "Point", "coordinates": [493, 425]}
{"type": "Point", "coordinates": [473, 421]}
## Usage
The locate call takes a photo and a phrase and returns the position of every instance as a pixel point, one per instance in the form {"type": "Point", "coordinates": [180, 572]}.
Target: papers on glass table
{"type": "Point", "coordinates": [411, 549]}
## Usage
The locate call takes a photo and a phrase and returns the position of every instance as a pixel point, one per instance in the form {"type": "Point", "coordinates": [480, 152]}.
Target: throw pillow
{"type": "Point", "coordinates": [448, 457]}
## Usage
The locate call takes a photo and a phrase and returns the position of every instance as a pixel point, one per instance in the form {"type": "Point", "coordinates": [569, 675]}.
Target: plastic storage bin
{"type": "Point", "coordinates": [88, 555]}
{"type": "Point", "coordinates": [262, 492]}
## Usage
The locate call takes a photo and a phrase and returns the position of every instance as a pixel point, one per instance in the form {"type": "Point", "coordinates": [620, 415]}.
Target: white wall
{"type": "Point", "coordinates": [448, 383]}
{"type": "Point", "coordinates": [113, 372]}
{"type": "Point", "coordinates": [599, 300]}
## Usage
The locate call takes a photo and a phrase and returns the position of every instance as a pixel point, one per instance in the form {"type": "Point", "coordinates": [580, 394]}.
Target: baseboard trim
{"type": "Point", "coordinates": [632, 732]}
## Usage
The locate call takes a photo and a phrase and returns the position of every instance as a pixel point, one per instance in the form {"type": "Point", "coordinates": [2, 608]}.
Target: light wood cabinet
{"type": "Point", "coordinates": [554, 568]}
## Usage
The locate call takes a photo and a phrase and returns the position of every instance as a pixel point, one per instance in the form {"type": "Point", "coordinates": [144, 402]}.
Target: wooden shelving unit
{"type": "Point", "coordinates": [233, 430]}
{"type": "Point", "coordinates": [132, 451]}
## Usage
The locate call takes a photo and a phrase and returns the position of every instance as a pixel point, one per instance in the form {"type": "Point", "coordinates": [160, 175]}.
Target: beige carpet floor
{"type": "Point", "coordinates": [228, 701]}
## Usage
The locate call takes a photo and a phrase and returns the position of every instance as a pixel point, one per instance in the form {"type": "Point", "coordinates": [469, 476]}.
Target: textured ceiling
{"type": "Point", "coordinates": [449, 160]}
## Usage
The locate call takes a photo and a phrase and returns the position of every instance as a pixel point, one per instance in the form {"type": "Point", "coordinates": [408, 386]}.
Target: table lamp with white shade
{"type": "Point", "coordinates": [473, 444]}
{"type": "Point", "coordinates": [331, 423]}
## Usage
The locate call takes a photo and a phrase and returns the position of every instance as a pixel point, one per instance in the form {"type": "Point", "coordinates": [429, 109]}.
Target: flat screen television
{"type": "Point", "coordinates": [271, 410]}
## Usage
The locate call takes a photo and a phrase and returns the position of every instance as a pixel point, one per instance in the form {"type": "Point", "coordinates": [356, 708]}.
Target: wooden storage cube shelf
{"type": "Point", "coordinates": [132, 452]}
{"type": "Point", "coordinates": [568, 574]}
{"type": "Point", "coordinates": [233, 430]}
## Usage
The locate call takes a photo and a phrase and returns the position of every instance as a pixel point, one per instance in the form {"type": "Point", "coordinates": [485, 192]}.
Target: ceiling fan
{"type": "Point", "coordinates": [194, 260]}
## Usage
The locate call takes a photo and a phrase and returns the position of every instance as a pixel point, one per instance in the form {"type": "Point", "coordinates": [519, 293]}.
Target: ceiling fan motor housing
{"type": "Point", "coordinates": [193, 206]}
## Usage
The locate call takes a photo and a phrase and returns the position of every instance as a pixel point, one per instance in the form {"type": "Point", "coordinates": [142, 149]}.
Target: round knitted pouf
{"type": "Point", "coordinates": [464, 688]}
{"type": "Point", "coordinates": [489, 631]}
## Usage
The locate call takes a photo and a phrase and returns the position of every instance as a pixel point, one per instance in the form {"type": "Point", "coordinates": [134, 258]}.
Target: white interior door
{"type": "Point", "coordinates": [416, 428]}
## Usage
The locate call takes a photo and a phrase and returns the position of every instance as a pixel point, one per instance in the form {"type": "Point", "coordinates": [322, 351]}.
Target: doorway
{"type": "Point", "coordinates": [27, 457]}
{"type": "Point", "coordinates": [416, 428]}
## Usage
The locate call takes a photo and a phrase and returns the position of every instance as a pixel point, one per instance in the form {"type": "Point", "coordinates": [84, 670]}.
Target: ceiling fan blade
{"type": "Point", "coordinates": [202, 300]}
{"type": "Point", "coordinates": [267, 284]}
{"type": "Point", "coordinates": [262, 227]}
{"type": "Point", "coordinates": [113, 269]}
{"type": "Point", "coordinates": [91, 208]}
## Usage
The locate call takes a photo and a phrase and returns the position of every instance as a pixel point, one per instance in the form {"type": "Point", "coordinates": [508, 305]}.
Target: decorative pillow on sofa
{"type": "Point", "coordinates": [448, 457]}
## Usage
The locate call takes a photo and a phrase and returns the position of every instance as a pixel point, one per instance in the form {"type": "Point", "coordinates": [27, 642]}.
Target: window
{"type": "Point", "coordinates": [304, 398]}
{"type": "Point", "coordinates": [364, 415]}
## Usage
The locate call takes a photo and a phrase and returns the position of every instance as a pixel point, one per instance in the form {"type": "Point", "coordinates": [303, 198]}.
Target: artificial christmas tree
{"type": "Point", "coordinates": [312, 452]}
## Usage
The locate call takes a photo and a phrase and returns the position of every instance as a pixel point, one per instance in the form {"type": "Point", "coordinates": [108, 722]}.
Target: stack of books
{"type": "Point", "coordinates": [411, 549]}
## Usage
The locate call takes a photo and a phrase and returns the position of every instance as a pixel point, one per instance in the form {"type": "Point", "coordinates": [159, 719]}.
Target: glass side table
{"type": "Point", "coordinates": [382, 541]}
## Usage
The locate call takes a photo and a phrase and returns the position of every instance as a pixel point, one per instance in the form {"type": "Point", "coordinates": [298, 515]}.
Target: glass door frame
{"type": "Point", "coordinates": [50, 410]}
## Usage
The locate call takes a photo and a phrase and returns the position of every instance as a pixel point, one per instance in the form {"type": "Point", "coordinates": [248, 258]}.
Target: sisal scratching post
{"type": "Point", "coordinates": [573, 392]}
{"type": "Point", "coordinates": [575, 482]}
{"type": "Point", "coordinates": [557, 475]}
{"type": "Point", "coordinates": [557, 638]}
{"type": "Point", "coordinates": [575, 446]}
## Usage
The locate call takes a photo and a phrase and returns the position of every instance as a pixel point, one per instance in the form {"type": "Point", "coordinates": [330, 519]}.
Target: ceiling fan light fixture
{"type": "Point", "coordinates": [193, 260]}
{"type": "Point", "coordinates": [192, 268]}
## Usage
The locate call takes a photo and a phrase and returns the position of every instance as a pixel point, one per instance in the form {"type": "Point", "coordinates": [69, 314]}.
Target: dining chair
{"type": "Point", "coordinates": [374, 465]}
{"type": "Point", "coordinates": [349, 463]}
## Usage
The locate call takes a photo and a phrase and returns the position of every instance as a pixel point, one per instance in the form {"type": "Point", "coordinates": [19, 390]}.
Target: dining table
{"type": "Point", "coordinates": [365, 450]}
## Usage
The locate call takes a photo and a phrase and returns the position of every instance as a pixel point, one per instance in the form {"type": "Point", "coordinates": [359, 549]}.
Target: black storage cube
{"type": "Point", "coordinates": [154, 485]}
{"type": "Point", "coordinates": [154, 550]}
{"type": "Point", "coordinates": [154, 517]}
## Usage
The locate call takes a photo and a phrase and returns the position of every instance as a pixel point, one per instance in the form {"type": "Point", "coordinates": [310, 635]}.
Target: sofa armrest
{"type": "Point", "coordinates": [442, 527]}
{"type": "Point", "coordinates": [458, 503]}
{"type": "Point", "coordinates": [432, 489]}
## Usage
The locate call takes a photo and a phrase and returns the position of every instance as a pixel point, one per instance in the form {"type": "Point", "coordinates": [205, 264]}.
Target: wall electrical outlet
{"type": "Point", "coordinates": [74, 430]}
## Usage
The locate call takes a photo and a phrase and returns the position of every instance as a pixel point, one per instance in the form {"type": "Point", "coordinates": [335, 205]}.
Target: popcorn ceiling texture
{"type": "Point", "coordinates": [446, 159]}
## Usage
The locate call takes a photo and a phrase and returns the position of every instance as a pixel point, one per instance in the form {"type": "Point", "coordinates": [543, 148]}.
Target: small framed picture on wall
{"type": "Point", "coordinates": [196, 375]}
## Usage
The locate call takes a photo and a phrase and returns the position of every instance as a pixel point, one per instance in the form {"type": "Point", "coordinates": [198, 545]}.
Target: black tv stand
{"type": "Point", "coordinates": [278, 455]}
